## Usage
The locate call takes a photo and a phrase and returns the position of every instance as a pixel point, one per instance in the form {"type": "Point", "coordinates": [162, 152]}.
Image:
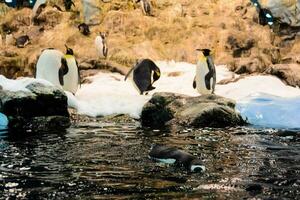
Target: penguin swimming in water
{"type": "Point", "coordinates": [59, 69]}
{"type": "Point", "coordinates": [146, 7]}
{"type": "Point", "coordinates": [265, 15]}
{"type": "Point", "coordinates": [171, 155]}
{"type": "Point", "coordinates": [143, 75]}
{"type": "Point", "coordinates": [22, 41]}
{"type": "Point", "coordinates": [84, 29]}
{"type": "Point", "coordinates": [205, 79]}
{"type": "Point", "coordinates": [101, 45]}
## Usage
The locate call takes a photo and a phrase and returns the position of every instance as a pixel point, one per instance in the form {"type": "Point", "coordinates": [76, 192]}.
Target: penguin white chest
{"type": "Point", "coordinates": [71, 79]}
{"type": "Point", "coordinates": [99, 46]}
{"type": "Point", "coordinates": [201, 71]}
{"type": "Point", "coordinates": [48, 65]}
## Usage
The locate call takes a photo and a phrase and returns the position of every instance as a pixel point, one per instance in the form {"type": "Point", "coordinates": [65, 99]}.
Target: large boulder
{"type": "Point", "coordinates": [40, 108]}
{"type": "Point", "coordinates": [203, 111]}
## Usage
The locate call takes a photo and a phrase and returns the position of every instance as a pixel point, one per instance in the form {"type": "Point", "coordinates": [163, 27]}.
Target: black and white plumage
{"type": "Point", "coordinates": [143, 75]}
{"type": "Point", "coordinates": [172, 155]}
{"type": "Point", "coordinates": [22, 41]}
{"type": "Point", "coordinates": [101, 45]}
{"type": "Point", "coordinates": [205, 79]}
{"type": "Point", "coordinates": [59, 69]}
{"type": "Point", "coordinates": [146, 7]}
{"type": "Point", "coordinates": [68, 4]}
{"type": "Point", "coordinates": [84, 29]}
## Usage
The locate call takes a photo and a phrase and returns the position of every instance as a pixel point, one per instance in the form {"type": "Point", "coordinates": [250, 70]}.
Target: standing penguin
{"type": "Point", "coordinates": [101, 45]}
{"type": "Point", "coordinates": [171, 155]}
{"type": "Point", "coordinates": [143, 75]}
{"type": "Point", "coordinates": [59, 69]}
{"type": "Point", "coordinates": [84, 29]}
{"type": "Point", "coordinates": [265, 15]}
{"type": "Point", "coordinates": [205, 79]}
{"type": "Point", "coordinates": [146, 7]}
{"type": "Point", "coordinates": [22, 41]}
{"type": "Point", "coordinates": [68, 4]}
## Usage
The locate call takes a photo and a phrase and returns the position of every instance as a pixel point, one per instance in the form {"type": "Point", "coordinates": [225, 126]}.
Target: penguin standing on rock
{"type": "Point", "coordinates": [205, 79]}
{"type": "Point", "coordinates": [172, 155]}
{"type": "Point", "coordinates": [84, 29]}
{"type": "Point", "coordinates": [265, 15]}
{"type": "Point", "coordinates": [143, 75]}
{"type": "Point", "coordinates": [146, 7]}
{"type": "Point", "coordinates": [101, 45]}
{"type": "Point", "coordinates": [68, 4]}
{"type": "Point", "coordinates": [59, 69]}
{"type": "Point", "coordinates": [22, 41]}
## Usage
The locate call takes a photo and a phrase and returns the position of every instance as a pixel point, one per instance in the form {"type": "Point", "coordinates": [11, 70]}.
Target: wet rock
{"type": "Point", "coordinates": [254, 188]}
{"type": "Point", "coordinates": [203, 111]}
{"type": "Point", "coordinates": [40, 108]}
{"type": "Point", "coordinates": [289, 73]}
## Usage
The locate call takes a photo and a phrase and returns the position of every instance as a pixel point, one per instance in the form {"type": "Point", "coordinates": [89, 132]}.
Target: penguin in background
{"type": "Point", "coordinates": [59, 69]}
{"type": "Point", "coordinates": [264, 15]}
{"type": "Point", "coordinates": [22, 41]}
{"type": "Point", "coordinates": [143, 75]}
{"type": "Point", "coordinates": [84, 29]}
{"type": "Point", "coordinates": [146, 6]}
{"type": "Point", "coordinates": [101, 45]}
{"type": "Point", "coordinates": [68, 4]}
{"type": "Point", "coordinates": [171, 155]}
{"type": "Point", "coordinates": [205, 79]}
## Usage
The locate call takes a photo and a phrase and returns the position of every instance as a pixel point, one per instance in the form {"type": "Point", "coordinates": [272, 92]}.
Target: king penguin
{"type": "Point", "coordinates": [171, 155]}
{"type": "Point", "coordinates": [143, 75]}
{"type": "Point", "coordinates": [59, 69]}
{"type": "Point", "coordinates": [205, 79]}
{"type": "Point", "coordinates": [101, 45]}
{"type": "Point", "coordinates": [146, 7]}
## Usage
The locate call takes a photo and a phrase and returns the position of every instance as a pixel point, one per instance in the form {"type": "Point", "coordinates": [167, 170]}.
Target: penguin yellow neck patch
{"type": "Point", "coordinates": [202, 58]}
{"type": "Point", "coordinates": [67, 56]}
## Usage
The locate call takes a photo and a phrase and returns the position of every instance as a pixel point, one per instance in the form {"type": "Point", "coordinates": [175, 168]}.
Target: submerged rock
{"type": "Point", "coordinates": [40, 108]}
{"type": "Point", "coordinates": [203, 111]}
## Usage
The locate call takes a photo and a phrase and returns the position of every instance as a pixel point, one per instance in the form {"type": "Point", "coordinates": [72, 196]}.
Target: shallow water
{"type": "Point", "coordinates": [99, 160]}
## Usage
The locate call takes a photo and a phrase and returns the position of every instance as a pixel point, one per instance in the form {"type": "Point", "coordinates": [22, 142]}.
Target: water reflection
{"type": "Point", "coordinates": [108, 160]}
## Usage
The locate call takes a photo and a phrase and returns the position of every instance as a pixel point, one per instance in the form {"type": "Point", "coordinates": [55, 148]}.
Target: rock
{"type": "Point", "coordinates": [289, 73]}
{"type": "Point", "coordinates": [203, 111]}
{"type": "Point", "coordinates": [287, 11]}
{"type": "Point", "coordinates": [39, 109]}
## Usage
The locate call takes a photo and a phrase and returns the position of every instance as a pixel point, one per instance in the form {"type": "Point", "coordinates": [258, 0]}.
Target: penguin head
{"type": "Point", "coordinates": [69, 51]}
{"type": "Point", "coordinates": [102, 35]}
{"type": "Point", "coordinates": [204, 53]}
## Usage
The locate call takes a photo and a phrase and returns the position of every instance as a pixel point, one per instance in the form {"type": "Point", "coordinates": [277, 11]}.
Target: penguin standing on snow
{"type": "Point", "coordinates": [205, 79]}
{"type": "Point", "coordinates": [172, 155]}
{"type": "Point", "coordinates": [146, 7]}
{"type": "Point", "coordinates": [101, 45]}
{"type": "Point", "coordinates": [59, 69]}
{"type": "Point", "coordinates": [143, 75]}
{"type": "Point", "coordinates": [265, 15]}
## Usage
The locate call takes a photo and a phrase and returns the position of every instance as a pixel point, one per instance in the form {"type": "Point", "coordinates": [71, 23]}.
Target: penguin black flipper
{"type": "Point", "coordinates": [79, 78]}
{"type": "Point", "coordinates": [214, 74]}
{"type": "Point", "coordinates": [63, 70]}
{"type": "Point", "coordinates": [194, 83]}
{"type": "Point", "coordinates": [210, 74]}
